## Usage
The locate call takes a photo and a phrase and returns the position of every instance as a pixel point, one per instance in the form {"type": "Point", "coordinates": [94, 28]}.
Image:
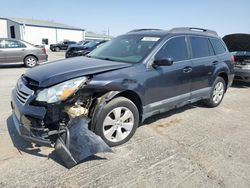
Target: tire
{"type": "Point", "coordinates": [217, 93]}
{"type": "Point", "coordinates": [57, 49]}
{"type": "Point", "coordinates": [117, 129]}
{"type": "Point", "coordinates": [30, 61]}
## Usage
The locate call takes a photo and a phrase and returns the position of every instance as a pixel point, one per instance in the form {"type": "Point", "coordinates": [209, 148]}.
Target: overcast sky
{"type": "Point", "coordinates": [120, 16]}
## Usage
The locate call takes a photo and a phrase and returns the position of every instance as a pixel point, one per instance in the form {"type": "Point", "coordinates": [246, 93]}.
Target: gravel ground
{"type": "Point", "coordinates": [193, 146]}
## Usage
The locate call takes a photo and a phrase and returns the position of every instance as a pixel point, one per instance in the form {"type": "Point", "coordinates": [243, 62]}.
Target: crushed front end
{"type": "Point", "coordinates": [41, 121]}
{"type": "Point", "coordinates": [57, 115]}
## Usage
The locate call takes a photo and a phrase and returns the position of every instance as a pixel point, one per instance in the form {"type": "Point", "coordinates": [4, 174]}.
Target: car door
{"type": "Point", "coordinates": [15, 51]}
{"type": "Point", "coordinates": [169, 86]}
{"type": "Point", "coordinates": [2, 51]}
{"type": "Point", "coordinates": [204, 63]}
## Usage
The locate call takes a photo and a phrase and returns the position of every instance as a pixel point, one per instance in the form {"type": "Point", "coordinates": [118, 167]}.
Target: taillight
{"type": "Point", "coordinates": [43, 50]}
{"type": "Point", "coordinates": [232, 58]}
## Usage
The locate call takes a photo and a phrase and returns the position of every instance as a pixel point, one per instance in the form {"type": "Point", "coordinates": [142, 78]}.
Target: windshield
{"type": "Point", "coordinates": [127, 48]}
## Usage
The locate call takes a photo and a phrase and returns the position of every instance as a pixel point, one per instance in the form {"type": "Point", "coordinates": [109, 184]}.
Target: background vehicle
{"type": "Point", "coordinates": [123, 82]}
{"type": "Point", "coordinates": [83, 49]}
{"type": "Point", "coordinates": [239, 46]}
{"type": "Point", "coordinates": [17, 51]}
{"type": "Point", "coordinates": [61, 46]}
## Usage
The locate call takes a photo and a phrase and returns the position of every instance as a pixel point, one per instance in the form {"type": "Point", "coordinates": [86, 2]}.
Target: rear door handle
{"type": "Point", "coordinates": [215, 63]}
{"type": "Point", "coordinates": [187, 70]}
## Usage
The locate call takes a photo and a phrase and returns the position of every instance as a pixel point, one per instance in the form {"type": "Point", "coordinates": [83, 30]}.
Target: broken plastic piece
{"type": "Point", "coordinates": [79, 143]}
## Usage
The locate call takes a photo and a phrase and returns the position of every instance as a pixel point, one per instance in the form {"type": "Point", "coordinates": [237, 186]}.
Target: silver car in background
{"type": "Point", "coordinates": [18, 51]}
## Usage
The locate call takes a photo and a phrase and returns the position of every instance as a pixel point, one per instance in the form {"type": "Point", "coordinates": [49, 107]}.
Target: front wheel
{"type": "Point", "coordinates": [117, 121]}
{"type": "Point", "coordinates": [217, 93]}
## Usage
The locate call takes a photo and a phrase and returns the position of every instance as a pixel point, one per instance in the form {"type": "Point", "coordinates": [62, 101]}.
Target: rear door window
{"type": "Point", "coordinates": [218, 46]}
{"type": "Point", "coordinates": [175, 48]}
{"type": "Point", "coordinates": [201, 47]}
{"type": "Point", "coordinates": [14, 44]}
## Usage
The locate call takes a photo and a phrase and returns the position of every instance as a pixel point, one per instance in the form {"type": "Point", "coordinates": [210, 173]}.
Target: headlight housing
{"type": "Point", "coordinates": [60, 92]}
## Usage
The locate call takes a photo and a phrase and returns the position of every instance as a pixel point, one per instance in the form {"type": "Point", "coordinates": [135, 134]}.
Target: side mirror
{"type": "Point", "coordinates": [164, 62]}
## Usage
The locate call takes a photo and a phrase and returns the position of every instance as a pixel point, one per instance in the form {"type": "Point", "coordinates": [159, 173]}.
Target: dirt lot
{"type": "Point", "coordinates": [190, 147]}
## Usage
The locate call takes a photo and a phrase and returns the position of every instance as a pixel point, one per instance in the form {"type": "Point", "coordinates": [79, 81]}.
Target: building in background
{"type": "Point", "coordinates": [41, 32]}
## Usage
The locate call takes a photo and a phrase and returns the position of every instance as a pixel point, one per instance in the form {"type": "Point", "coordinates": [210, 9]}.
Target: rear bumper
{"type": "Point", "coordinates": [42, 58]}
{"type": "Point", "coordinates": [242, 75]}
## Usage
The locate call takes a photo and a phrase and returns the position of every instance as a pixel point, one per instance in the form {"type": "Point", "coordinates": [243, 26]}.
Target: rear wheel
{"type": "Point", "coordinates": [30, 61]}
{"type": "Point", "coordinates": [217, 93]}
{"type": "Point", "coordinates": [117, 121]}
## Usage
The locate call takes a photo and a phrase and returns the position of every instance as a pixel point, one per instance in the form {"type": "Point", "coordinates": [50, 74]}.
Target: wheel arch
{"type": "Point", "coordinates": [135, 98]}
{"type": "Point", "coordinates": [30, 55]}
{"type": "Point", "coordinates": [224, 75]}
{"type": "Point", "coordinates": [105, 98]}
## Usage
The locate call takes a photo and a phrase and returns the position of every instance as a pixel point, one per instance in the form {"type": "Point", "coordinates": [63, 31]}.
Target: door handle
{"type": "Point", "coordinates": [215, 63]}
{"type": "Point", "coordinates": [187, 70]}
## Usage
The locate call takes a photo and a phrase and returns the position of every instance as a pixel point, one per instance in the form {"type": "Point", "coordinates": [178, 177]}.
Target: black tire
{"type": "Point", "coordinates": [57, 49]}
{"type": "Point", "coordinates": [30, 61]}
{"type": "Point", "coordinates": [210, 102]}
{"type": "Point", "coordinates": [107, 110]}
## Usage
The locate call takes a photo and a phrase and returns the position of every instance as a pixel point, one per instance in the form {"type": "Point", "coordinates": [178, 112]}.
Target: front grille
{"type": "Point", "coordinates": [21, 96]}
{"type": "Point", "coordinates": [23, 93]}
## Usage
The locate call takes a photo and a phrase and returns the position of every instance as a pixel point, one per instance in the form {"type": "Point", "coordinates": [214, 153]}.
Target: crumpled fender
{"type": "Point", "coordinates": [101, 102]}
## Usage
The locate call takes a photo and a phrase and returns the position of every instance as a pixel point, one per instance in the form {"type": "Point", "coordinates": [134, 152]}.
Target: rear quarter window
{"type": "Point", "coordinates": [218, 46]}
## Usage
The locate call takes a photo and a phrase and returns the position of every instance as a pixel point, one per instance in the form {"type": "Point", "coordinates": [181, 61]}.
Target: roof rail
{"type": "Point", "coordinates": [194, 29]}
{"type": "Point", "coordinates": [137, 30]}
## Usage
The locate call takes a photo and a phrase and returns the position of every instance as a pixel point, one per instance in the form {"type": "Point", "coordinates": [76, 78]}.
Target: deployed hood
{"type": "Point", "coordinates": [237, 42]}
{"type": "Point", "coordinates": [59, 71]}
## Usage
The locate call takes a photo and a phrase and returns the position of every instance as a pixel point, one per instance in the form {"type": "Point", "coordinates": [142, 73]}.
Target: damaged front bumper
{"type": "Point", "coordinates": [43, 125]}
{"type": "Point", "coordinates": [26, 119]}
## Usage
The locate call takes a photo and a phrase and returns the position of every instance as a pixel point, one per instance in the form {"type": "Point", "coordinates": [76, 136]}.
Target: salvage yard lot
{"type": "Point", "coordinates": [193, 146]}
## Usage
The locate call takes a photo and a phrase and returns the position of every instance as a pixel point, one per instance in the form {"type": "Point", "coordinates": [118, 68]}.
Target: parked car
{"type": "Point", "coordinates": [18, 51]}
{"type": "Point", "coordinates": [239, 46]}
{"type": "Point", "coordinates": [123, 82]}
{"type": "Point", "coordinates": [84, 49]}
{"type": "Point", "coordinates": [61, 46]}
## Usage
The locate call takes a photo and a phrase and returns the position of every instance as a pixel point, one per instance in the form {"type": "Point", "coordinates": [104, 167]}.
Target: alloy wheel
{"type": "Point", "coordinates": [118, 124]}
{"type": "Point", "coordinates": [218, 92]}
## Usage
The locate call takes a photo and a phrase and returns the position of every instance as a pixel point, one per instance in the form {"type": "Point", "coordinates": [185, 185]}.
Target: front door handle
{"type": "Point", "coordinates": [187, 70]}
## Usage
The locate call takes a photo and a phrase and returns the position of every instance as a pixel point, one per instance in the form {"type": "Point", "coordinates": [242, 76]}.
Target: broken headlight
{"type": "Point", "coordinates": [62, 91]}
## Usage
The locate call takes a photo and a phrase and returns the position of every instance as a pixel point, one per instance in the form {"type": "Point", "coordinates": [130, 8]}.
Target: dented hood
{"type": "Point", "coordinates": [62, 70]}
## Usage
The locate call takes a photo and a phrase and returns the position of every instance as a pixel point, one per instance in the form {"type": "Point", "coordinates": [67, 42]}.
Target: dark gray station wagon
{"type": "Point", "coordinates": [123, 82]}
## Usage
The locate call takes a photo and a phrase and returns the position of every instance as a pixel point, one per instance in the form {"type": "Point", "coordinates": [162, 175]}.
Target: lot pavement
{"type": "Point", "coordinates": [190, 147]}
